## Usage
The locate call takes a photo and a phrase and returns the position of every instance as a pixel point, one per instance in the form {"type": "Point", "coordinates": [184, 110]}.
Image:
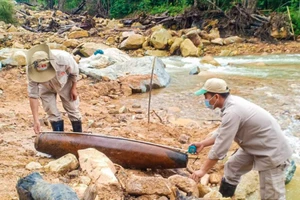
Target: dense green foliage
{"type": "Point", "coordinates": [123, 8]}
{"type": "Point", "coordinates": [295, 14]}
{"type": "Point", "coordinates": [7, 11]}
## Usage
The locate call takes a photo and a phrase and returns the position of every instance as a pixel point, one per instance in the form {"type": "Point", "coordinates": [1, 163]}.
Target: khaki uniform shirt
{"type": "Point", "coordinates": [66, 69]}
{"type": "Point", "coordinates": [255, 130]}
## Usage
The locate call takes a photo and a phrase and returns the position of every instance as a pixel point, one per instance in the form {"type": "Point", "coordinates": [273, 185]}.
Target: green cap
{"type": "Point", "coordinates": [200, 92]}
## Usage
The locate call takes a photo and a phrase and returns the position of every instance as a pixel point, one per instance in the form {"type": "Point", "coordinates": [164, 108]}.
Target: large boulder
{"type": "Point", "coordinates": [233, 39]}
{"type": "Point", "coordinates": [110, 56]}
{"type": "Point", "coordinates": [133, 42]}
{"type": "Point", "coordinates": [88, 49]}
{"type": "Point", "coordinates": [71, 43]}
{"type": "Point", "coordinates": [19, 57]}
{"type": "Point", "coordinates": [102, 171]}
{"type": "Point", "coordinates": [248, 186]}
{"type": "Point", "coordinates": [13, 56]}
{"type": "Point", "coordinates": [176, 45]}
{"type": "Point", "coordinates": [126, 34]}
{"type": "Point", "coordinates": [62, 165]}
{"type": "Point", "coordinates": [187, 48]}
{"type": "Point", "coordinates": [218, 41]}
{"type": "Point", "coordinates": [159, 39]}
{"type": "Point", "coordinates": [78, 34]}
{"type": "Point", "coordinates": [194, 37]}
{"type": "Point", "coordinates": [139, 185]}
{"type": "Point", "coordinates": [136, 72]}
{"type": "Point", "coordinates": [34, 186]}
{"type": "Point", "coordinates": [186, 184]}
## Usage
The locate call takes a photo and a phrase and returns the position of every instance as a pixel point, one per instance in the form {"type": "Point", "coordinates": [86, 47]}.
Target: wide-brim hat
{"type": "Point", "coordinates": [213, 85]}
{"type": "Point", "coordinates": [32, 72]}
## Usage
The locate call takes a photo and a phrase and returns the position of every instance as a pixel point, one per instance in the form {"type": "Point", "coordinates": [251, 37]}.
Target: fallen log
{"type": "Point", "coordinates": [126, 152]}
{"type": "Point", "coordinates": [29, 28]}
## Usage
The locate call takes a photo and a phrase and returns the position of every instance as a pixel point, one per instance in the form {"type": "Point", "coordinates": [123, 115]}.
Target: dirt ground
{"type": "Point", "coordinates": [17, 136]}
{"type": "Point", "coordinates": [98, 99]}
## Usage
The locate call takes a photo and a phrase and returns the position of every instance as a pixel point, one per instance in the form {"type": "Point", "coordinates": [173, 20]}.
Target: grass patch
{"type": "Point", "coordinates": [7, 12]}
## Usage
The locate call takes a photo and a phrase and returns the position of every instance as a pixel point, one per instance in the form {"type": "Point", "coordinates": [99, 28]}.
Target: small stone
{"type": "Point", "coordinates": [213, 195]}
{"type": "Point", "coordinates": [138, 111]}
{"type": "Point", "coordinates": [183, 139]}
{"type": "Point", "coordinates": [84, 76]}
{"type": "Point", "coordinates": [73, 174]}
{"type": "Point", "coordinates": [85, 180]}
{"type": "Point", "coordinates": [123, 109]}
{"type": "Point", "coordinates": [113, 112]}
{"type": "Point", "coordinates": [33, 166]}
{"type": "Point", "coordinates": [203, 190]}
{"type": "Point", "coordinates": [163, 198]}
{"type": "Point", "coordinates": [64, 180]}
{"type": "Point", "coordinates": [111, 106]}
{"type": "Point", "coordinates": [214, 178]}
{"type": "Point", "coordinates": [44, 122]}
{"type": "Point", "coordinates": [205, 179]}
{"type": "Point", "coordinates": [91, 123]}
{"type": "Point", "coordinates": [139, 117]}
{"type": "Point", "coordinates": [113, 96]}
{"type": "Point", "coordinates": [136, 106]}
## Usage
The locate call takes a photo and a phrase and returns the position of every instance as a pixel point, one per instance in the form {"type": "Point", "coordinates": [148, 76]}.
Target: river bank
{"type": "Point", "coordinates": [171, 124]}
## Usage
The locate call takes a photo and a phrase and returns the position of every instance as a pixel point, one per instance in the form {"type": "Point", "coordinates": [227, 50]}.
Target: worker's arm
{"type": "Point", "coordinates": [73, 72]}
{"type": "Point", "coordinates": [205, 143]}
{"type": "Point", "coordinates": [34, 105]}
{"type": "Point", "coordinates": [73, 92]}
{"type": "Point", "coordinates": [208, 164]}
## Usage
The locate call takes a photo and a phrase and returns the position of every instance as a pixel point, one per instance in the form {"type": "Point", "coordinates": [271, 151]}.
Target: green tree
{"type": "Point", "coordinates": [7, 12]}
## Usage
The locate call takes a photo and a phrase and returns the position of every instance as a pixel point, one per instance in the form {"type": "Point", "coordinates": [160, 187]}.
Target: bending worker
{"type": "Point", "coordinates": [263, 147]}
{"type": "Point", "coordinates": [51, 73]}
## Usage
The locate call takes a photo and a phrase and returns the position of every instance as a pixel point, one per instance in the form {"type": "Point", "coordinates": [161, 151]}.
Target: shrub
{"type": "Point", "coordinates": [7, 12]}
{"type": "Point", "coordinates": [295, 15]}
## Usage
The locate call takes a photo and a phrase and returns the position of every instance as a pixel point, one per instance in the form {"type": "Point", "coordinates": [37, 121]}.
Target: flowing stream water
{"type": "Point", "coordinates": [272, 82]}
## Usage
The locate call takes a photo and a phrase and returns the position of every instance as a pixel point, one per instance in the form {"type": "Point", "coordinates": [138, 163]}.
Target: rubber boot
{"type": "Point", "coordinates": [77, 126]}
{"type": "Point", "coordinates": [226, 189]}
{"type": "Point", "coordinates": [58, 126]}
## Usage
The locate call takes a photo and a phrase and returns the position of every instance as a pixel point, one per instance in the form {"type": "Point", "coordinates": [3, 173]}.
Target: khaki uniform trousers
{"type": "Point", "coordinates": [48, 98]}
{"type": "Point", "coordinates": [272, 182]}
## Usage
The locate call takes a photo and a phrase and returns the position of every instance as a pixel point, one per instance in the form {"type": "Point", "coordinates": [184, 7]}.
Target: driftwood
{"type": "Point", "coordinates": [79, 8]}
{"type": "Point", "coordinates": [29, 28]}
{"type": "Point", "coordinates": [21, 12]}
{"type": "Point", "coordinates": [276, 22]}
{"type": "Point", "coordinates": [239, 20]}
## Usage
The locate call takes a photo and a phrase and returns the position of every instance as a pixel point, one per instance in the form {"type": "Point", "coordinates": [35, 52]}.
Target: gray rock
{"type": "Point", "coordinates": [290, 171]}
{"type": "Point", "coordinates": [136, 72]}
{"type": "Point", "coordinates": [34, 187]}
{"type": "Point", "coordinates": [195, 71]}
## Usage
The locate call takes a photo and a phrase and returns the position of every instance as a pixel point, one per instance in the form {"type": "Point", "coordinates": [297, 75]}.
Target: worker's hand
{"type": "Point", "coordinates": [199, 146]}
{"type": "Point", "coordinates": [73, 94]}
{"type": "Point", "coordinates": [197, 175]}
{"type": "Point", "coordinates": [37, 127]}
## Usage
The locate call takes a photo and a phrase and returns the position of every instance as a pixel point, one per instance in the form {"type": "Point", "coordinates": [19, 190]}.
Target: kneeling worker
{"type": "Point", "coordinates": [263, 147]}
{"type": "Point", "coordinates": [51, 73]}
